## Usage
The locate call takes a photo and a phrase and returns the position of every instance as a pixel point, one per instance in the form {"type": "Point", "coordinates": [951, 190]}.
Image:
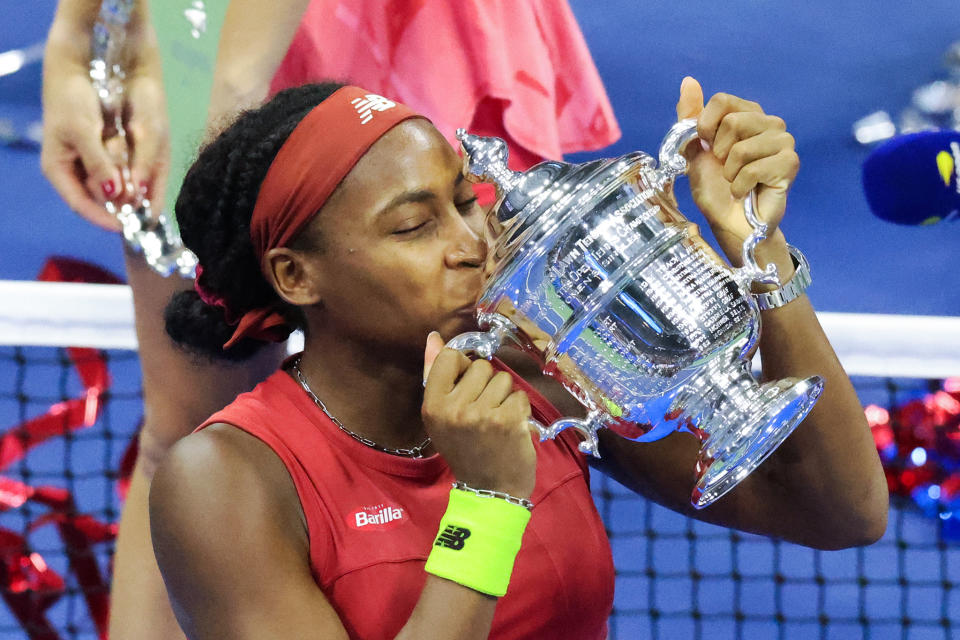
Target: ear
{"type": "Point", "coordinates": [296, 280]}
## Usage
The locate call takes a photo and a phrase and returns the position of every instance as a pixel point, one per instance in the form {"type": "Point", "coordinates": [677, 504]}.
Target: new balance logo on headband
{"type": "Point", "coordinates": [452, 537]}
{"type": "Point", "coordinates": [369, 103]}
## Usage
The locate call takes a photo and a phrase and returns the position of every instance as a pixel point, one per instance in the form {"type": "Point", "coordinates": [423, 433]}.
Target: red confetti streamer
{"type": "Point", "coordinates": [79, 533]}
{"type": "Point", "coordinates": [30, 586]}
{"type": "Point", "coordinates": [919, 445]}
{"type": "Point", "coordinates": [127, 463]}
{"type": "Point", "coordinates": [60, 419]}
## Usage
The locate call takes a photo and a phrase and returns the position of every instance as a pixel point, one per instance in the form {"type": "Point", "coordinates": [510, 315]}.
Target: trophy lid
{"type": "Point", "coordinates": [485, 160]}
{"type": "Point", "coordinates": [533, 204]}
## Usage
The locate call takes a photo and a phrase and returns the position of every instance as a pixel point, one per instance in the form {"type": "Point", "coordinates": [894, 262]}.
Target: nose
{"type": "Point", "coordinates": [466, 247]}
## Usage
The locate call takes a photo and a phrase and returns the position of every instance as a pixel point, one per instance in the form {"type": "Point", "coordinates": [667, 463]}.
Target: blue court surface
{"type": "Point", "coordinates": [820, 65]}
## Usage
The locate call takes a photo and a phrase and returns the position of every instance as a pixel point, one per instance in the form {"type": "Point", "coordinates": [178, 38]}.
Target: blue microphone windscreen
{"type": "Point", "coordinates": [914, 179]}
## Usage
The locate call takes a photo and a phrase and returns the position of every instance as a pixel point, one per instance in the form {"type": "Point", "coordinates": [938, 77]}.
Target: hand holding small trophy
{"type": "Point", "coordinates": [144, 231]}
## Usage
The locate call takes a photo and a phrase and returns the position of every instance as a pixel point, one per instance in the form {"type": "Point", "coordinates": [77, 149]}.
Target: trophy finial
{"type": "Point", "coordinates": [485, 160]}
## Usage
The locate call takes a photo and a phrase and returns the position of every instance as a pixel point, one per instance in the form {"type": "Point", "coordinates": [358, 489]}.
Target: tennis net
{"type": "Point", "coordinates": [70, 406]}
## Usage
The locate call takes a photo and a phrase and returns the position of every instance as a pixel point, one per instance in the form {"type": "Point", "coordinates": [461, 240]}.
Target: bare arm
{"type": "Point", "coordinates": [179, 393]}
{"type": "Point", "coordinates": [242, 75]}
{"type": "Point", "coordinates": [76, 18]}
{"type": "Point", "coordinates": [232, 546]}
{"type": "Point", "coordinates": [824, 486]}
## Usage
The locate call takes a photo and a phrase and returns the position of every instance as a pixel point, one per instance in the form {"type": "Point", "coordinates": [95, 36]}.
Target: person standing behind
{"type": "Point", "coordinates": [520, 71]}
{"type": "Point", "coordinates": [177, 388]}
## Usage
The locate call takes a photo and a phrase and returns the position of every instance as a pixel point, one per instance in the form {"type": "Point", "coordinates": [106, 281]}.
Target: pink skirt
{"type": "Point", "coordinates": [516, 69]}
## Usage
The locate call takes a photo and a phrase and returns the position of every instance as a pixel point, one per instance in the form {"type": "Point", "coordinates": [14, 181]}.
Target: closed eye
{"type": "Point", "coordinates": [467, 205]}
{"type": "Point", "coordinates": [405, 230]}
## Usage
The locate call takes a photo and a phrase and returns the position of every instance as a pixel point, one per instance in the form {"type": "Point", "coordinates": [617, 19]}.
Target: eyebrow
{"type": "Point", "coordinates": [416, 195]}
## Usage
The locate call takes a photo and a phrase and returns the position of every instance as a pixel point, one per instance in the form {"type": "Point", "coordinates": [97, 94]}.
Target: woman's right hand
{"type": "Point", "coordinates": [73, 156]}
{"type": "Point", "coordinates": [477, 421]}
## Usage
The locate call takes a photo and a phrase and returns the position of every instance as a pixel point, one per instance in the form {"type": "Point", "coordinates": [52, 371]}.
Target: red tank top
{"type": "Point", "coordinates": [372, 518]}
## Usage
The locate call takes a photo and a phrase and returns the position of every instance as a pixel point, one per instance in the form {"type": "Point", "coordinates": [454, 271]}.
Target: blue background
{"type": "Point", "coordinates": [820, 65]}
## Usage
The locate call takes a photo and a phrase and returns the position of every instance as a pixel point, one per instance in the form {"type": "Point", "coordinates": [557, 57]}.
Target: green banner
{"type": "Point", "coordinates": [187, 32]}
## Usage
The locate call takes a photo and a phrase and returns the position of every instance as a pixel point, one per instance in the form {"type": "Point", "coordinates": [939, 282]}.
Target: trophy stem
{"type": "Point", "coordinates": [739, 422]}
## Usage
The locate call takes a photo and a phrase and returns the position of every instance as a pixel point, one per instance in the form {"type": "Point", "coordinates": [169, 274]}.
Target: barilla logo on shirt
{"type": "Point", "coordinates": [379, 517]}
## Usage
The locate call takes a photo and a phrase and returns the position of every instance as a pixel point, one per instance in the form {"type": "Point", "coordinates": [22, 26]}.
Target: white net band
{"type": "Point", "coordinates": [66, 314]}
{"type": "Point", "coordinates": [101, 316]}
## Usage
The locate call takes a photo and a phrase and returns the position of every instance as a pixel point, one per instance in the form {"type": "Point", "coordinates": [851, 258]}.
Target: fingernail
{"type": "Point", "coordinates": [109, 189]}
{"type": "Point", "coordinates": [143, 188]}
{"type": "Point", "coordinates": [704, 145]}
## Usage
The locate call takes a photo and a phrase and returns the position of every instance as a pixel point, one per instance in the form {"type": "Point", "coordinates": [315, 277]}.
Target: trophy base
{"type": "Point", "coordinates": [730, 453]}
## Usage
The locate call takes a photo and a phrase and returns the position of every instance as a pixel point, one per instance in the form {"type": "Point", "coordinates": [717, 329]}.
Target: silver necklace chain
{"type": "Point", "coordinates": [415, 452]}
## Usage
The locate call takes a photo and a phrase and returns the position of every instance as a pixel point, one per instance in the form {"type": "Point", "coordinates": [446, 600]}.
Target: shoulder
{"type": "Point", "coordinates": [230, 542]}
{"type": "Point", "coordinates": [264, 401]}
{"type": "Point", "coordinates": [222, 477]}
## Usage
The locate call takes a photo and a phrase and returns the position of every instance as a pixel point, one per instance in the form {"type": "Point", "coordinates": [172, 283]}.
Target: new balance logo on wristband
{"type": "Point", "coordinates": [452, 537]}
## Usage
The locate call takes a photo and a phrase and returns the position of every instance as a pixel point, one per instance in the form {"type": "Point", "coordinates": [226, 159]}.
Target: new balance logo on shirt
{"type": "Point", "coordinates": [452, 537]}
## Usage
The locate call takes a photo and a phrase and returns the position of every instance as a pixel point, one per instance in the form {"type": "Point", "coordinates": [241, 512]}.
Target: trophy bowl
{"type": "Point", "coordinates": [595, 274]}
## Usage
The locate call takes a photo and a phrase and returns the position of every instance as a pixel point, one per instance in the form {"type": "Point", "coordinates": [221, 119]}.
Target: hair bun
{"type": "Point", "coordinates": [202, 329]}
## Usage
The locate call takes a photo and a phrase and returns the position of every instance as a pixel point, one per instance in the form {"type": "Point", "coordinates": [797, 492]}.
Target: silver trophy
{"type": "Point", "coordinates": [594, 272]}
{"type": "Point", "coordinates": [144, 232]}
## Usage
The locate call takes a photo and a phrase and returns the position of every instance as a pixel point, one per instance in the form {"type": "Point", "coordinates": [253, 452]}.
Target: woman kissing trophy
{"type": "Point", "coordinates": [594, 273]}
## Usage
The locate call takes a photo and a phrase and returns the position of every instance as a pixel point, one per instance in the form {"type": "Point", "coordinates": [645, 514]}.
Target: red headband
{"type": "Point", "coordinates": [319, 153]}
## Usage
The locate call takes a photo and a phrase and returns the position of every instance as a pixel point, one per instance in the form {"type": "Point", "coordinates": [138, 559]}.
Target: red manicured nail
{"type": "Point", "coordinates": [109, 189]}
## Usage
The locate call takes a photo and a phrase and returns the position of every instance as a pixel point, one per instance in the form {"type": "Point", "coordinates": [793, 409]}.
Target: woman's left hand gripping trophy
{"type": "Point", "coordinates": [144, 232]}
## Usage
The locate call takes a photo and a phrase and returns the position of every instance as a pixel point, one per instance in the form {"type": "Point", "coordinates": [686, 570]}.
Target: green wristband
{"type": "Point", "coordinates": [478, 541]}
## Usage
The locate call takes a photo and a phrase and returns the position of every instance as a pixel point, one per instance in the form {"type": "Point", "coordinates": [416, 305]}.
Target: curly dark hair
{"type": "Point", "coordinates": [213, 210]}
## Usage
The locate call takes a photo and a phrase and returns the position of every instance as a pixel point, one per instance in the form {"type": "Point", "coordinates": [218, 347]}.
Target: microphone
{"type": "Point", "coordinates": [914, 179]}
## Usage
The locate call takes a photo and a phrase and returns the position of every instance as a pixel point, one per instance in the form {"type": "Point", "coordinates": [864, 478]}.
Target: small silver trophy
{"type": "Point", "coordinates": [144, 232]}
{"type": "Point", "coordinates": [595, 273]}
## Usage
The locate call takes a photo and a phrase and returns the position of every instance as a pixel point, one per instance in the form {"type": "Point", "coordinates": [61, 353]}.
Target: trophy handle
{"type": "Point", "coordinates": [586, 426]}
{"type": "Point", "coordinates": [486, 343]}
{"type": "Point", "coordinates": [673, 165]}
{"type": "Point", "coordinates": [751, 272]}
